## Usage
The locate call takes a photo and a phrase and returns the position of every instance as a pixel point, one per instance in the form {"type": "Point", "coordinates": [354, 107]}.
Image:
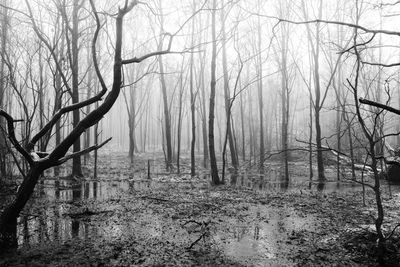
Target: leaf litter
{"type": "Point", "coordinates": [177, 220]}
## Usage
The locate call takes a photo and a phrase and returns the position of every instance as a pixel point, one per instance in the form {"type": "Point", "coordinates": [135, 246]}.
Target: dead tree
{"type": "Point", "coordinates": [3, 44]}
{"type": "Point", "coordinates": [39, 162]}
{"type": "Point", "coordinates": [211, 144]}
{"type": "Point", "coordinates": [260, 92]}
{"type": "Point", "coordinates": [229, 131]}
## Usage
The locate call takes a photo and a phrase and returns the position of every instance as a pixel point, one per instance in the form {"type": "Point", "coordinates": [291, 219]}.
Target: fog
{"type": "Point", "coordinates": [132, 126]}
{"type": "Point", "coordinates": [190, 22]}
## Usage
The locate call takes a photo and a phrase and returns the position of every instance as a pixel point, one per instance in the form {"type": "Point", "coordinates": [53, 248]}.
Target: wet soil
{"type": "Point", "coordinates": [122, 218]}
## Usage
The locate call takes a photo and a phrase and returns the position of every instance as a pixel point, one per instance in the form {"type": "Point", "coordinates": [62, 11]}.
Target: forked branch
{"type": "Point", "coordinates": [82, 152]}
{"type": "Point", "coordinates": [11, 135]}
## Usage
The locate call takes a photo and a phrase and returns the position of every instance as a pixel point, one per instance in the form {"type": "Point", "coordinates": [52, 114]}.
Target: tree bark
{"type": "Point", "coordinates": [8, 217]}
{"type": "Point", "coordinates": [192, 104]}
{"type": "Point", "coordinates": [242, 126]}
{"type": "Point", "coordinates": [284, 102]}
{"type": "Point", "coordinates": [315, 49]}
{"type": "Point", "coordinates": [260, 94]}
{"type": "Point", "coordinates": [213, 161]}
{"type": "Point", "coordinates": [58, 98]}
{"type": "Point", "coordinates": [76, 162]}
{"type": "Point", "coordinates": [204, 116]}
{"type": "Point", "coordinates": [4, 34]}
{"type": "Point", "coordinates": [178, 165]}
{"type": "Point", "coordinates": [232, 149]}
{"type": "Point", "coordinates": [167, 115]}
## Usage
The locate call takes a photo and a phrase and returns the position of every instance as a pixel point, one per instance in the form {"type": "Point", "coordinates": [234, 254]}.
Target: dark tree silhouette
{"type": "Point", "coordinates": [38, 162]}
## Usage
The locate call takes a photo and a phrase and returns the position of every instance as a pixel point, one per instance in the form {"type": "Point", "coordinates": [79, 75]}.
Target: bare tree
{"type": "Point", "coordinates": [38, 163]}
{"type": "Point", "coordinates": [227, 94]}
{"type": "Point", "coordinates": [3, 44]}
{"type": "Point", "coordinates": [260, 91]}
{"type": "Point", "coordinates": [167, 115]}
{"type": "Point", "coordinates": [213, 160]}
{"type": "Point", "coordinates": [193, 95]}
{"type": "Point", "coordinates": [317, 102]}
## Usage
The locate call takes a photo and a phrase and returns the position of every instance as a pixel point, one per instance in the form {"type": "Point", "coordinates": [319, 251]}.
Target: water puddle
{"type": "Point", "coordinates": [273, 180]}
{"type": "Point", "coordinates": [265, 238]}
{"type": "Point", "coordinates": [94, 210]}
{"type": "Point", "coordinates": [65, 217]}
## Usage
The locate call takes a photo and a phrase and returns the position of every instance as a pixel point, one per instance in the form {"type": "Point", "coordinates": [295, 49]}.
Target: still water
{"type": "Point", "coordinates": [62, 210]}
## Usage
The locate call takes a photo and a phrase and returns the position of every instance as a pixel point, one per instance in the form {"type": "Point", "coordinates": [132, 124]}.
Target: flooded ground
{"type": "Point", "coordinates": [122, 218]}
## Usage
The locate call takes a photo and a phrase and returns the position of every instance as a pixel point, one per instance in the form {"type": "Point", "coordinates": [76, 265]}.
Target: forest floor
{"type": "Point", "coordinates": [124, 219]}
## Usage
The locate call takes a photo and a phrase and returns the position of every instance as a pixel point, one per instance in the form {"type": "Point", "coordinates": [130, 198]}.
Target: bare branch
{"type": "Point", "coordinates": [381, 64]}
{"type": "Point", "coordinates": [80, 153]}
{"type": "Point", "coordinates": [379, 105]}
{"type": "Point", "coordinates": [168, 50]}
{"type": "Point", "coordinates": [79, 105]}
{"type": "Point", "coordinates": [355, 26]}
{"type": "Point", "coordinates": [13, 139]}
{"type": "Point", "coordinates": [94, 40]}
{"type": "Point", "coordinates": [3, 132]}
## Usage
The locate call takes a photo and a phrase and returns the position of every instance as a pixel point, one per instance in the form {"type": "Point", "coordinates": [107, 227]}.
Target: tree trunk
{"type": "Point", "coordinates": [260, 94]}
{"type": "Point", "coordinates": [310, 140]}
{"type": "Point", "coordinates": [232, 149]}
{"type": "Point", "coordinates": [193, 115]}
{"type": "Point", "coordinates": [315, 49]}
{"type": "Point", "coordinates": [76, 162]}
{"type": "Point", "coordinates": [213, 160]}
{"type": "Point", "coordinates": [204, 123]}
{"type": "Point", "coordinates": [4, 34]}
{"type": "Point", "coordinates": [132, 122]}
{"type": "Point", "coordinates": [8, 218]}
{"type": "Point", "coordinates": [86, 157]}
{"type": "Point", "coordinates": [180, 122]}
{"type": "Point", "coordinates": [285, 102]}
{"type": "Point", "coordinates": [58, 100]}
{"type": "Point", "coordinates": [243, 132]}
{"type": "Point", "coordinates": [192, 104]}
{"type": "Point", "coordinates": [167, 116]}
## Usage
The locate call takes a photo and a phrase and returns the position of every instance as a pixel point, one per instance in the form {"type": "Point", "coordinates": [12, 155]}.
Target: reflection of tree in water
{"type": "Point", "coordinates": [234, 177]}
{"type": "Point", "coordinates": [25, 229]}
{"type": "Point", "coordinates": [56, 223]}
{"type": "Point", "coordinates": [57, 189]}
{"type": "Point", "coordinates": [240, 232]}
{"type": "Point", "coordinates": [42, 226]}
{"type": "Point", "coordinates": [285, 185]}
{"type": "Point", "coordinates": [75, 228]}
{"type": "Point", "coordinates": [257, 226]}
{"type": "Point", "coordinates": [94, 190]}
{"type": "Point", "coordinates": [86, 190]}
{"type": "Point", "coordinates": [321, 186]}
{"type": "Point", "coordinates": [76, 193]}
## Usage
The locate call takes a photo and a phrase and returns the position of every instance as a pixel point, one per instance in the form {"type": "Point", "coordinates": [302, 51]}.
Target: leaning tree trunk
{"type": "Point", "coordinates": [8, 218]}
